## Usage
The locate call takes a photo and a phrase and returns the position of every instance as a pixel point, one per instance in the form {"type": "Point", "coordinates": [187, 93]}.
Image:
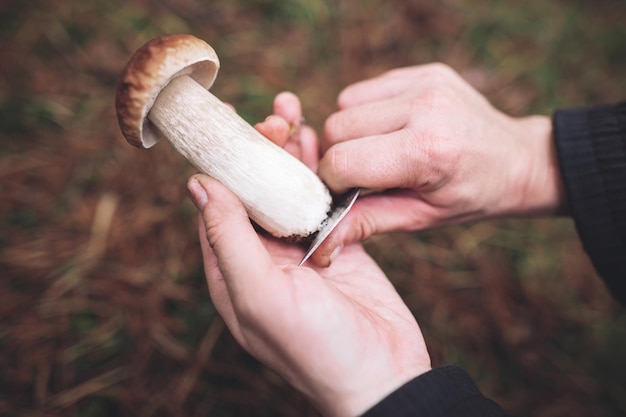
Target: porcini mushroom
{"type": "Point", "coordinates": [163, 93]}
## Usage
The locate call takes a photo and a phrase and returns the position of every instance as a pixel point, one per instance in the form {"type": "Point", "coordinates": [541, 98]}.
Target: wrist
{"type": "Point", "coordinates": [363, 395]}
{"type": "Point", "coordinates": [538, 187]}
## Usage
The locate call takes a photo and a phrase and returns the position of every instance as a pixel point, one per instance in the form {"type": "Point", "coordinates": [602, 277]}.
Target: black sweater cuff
{"type": "Point", "coordinates": [448, 391]}
{"type": "Point", "coordinates": [591, 147]}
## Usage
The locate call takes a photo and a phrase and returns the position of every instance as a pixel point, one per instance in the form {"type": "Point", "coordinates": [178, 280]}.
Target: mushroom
{"type": "Point", "coordinates": [163, 93]}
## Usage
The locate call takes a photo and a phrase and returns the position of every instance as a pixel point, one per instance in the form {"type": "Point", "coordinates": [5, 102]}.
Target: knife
{"type": "Point", "coordinates": [342, 206]}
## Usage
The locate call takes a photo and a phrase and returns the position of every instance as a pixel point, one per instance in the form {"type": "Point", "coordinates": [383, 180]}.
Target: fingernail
{"type": "Point", "coordinates": [197, 194]}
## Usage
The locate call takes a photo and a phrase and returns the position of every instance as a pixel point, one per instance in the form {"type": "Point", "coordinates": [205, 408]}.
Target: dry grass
{"type": "Point", "coordinates": [103, 302]}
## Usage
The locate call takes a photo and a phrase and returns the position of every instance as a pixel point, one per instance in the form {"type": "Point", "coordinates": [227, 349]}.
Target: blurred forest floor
{"type": "Point", "coordinates": [103, 305]}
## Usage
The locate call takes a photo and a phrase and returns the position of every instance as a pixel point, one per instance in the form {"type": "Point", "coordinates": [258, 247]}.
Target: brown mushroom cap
{"type": "Point", "coordinates": [149, 70]}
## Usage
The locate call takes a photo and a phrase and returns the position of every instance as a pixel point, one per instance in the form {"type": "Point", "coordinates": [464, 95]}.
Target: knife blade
{"type": "Point", "coordinates": [342, 206]}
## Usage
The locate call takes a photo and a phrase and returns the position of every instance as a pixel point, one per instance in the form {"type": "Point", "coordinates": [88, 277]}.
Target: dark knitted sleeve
{"type": "Point", "coordinates": [446, 392]}
{"type": "Point", "coordinates": [591, 148]}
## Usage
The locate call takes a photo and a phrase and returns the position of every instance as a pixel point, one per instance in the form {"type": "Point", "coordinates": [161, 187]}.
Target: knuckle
{"type": "Point", "coordinates": [436, 99]}
{"type": "Point", "coordinates": [214, 233]}
{"type": "Point", "coordinates": [400, 72]}
{"type": "Point", "coordinates": [366, 227]}
{"type": "Point", "coordinates": [438, 71]}
{"type": "Point", "coordinates": [333, 163]}
{"type": "Point", "coordinates": [345, 97]}
{"type": "Point", "coordinates": [332, 129]}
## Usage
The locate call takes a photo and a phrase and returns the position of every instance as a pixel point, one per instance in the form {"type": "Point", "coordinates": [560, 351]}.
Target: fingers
{"type": "Point", "coordinates": [395, 160]}
{"type": "Point", "coordinates": [374, 214]}
{"type": "Point", "coordinates": [275, 128]}
{"type": "Point", "coordinates": [391, 101]}
{"type": "Point", "coordinates": [287, 105]}
{"type": "Point", "coordinates": [286, 129]}
{"type": "Point", "coordinates": [394, 130]}
{"type": "Point", "coordinates": [283, 126]}
{"type": "Point", "coordinates": [383, 87]}
{"type": "Point", "coordinates": [217, 285]}
{"type": "Point", "coordinates": [367, 119]}
{"type": "Point", "coordinates": [242, 260]}
{"type": "Point", "coordinates": [397, 82]}
{"type": "Point", "coordinates": [309, 148]}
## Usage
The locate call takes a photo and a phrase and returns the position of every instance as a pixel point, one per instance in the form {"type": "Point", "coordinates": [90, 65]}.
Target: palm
{"type": "Point", "coordinates": [338, 319]}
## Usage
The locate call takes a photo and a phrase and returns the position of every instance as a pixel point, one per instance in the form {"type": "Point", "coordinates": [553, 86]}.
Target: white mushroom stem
{"type": "Point", "coordinates": [279, 193]}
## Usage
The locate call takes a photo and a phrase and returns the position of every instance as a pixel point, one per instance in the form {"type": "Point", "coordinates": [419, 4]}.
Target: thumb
{"type": "Point", "coordinates": [391, 211]}
{"type": "Point", "coordinates": [241, 257]}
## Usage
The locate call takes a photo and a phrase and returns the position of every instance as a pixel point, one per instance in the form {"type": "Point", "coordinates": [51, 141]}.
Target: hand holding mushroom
{"type": "Point", "coordinates": [315, 327]}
